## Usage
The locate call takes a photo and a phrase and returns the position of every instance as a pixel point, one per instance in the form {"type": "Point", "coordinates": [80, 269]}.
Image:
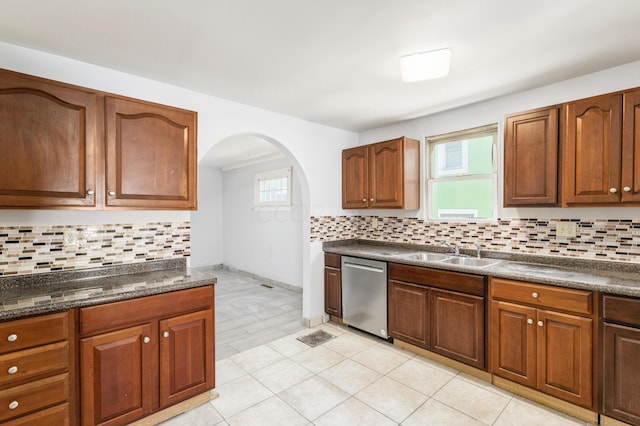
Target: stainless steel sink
{"type": "Point", "coordinates": [471, 261]}
{"type": "Point", "coordinates": [424, 256]}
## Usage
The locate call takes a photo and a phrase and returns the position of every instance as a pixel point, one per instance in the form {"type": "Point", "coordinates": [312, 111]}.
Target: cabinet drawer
{"type": "Point", "coordinates": [539, 295]}
{"type": "Point", "coordinates": [33, 362]}
{"type": "Point", "coordinates": [33, 396]}
{"type": "Point", "coordinates": [621, 309]}
{"type": "Point", "coordinates": [332, 260]}
{"type": "Point", "coordinates": [456, 281]}
{"type": "Point", "coordinates": [111, 316]}
{"type": "Point", "coordinates": [31, 332]}
{"type": "Point", "coordinates": [58, 416]}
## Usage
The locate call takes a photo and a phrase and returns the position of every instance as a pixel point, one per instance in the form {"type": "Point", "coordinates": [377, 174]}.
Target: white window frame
{"type": "Point", "coordinates": [433, 141]}
{"type": "Point", "coordinates": [270, 175]}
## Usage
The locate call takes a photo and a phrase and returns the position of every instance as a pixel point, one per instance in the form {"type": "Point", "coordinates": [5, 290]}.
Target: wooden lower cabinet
{"type": "Point", "coordinates": [409, 313]}
{"type": "Point", "coordinates": [545, 349]}
{"type": "Point", "coordinates": [129, 371]}
{"type": "Point", "coordinates": [621, 359]}
{"type": "Point", "coordinates": [332, 284]}
{"type": "Point", "coordinates": [425, 310]}
{"type": "Point", "coordinates": [118, 376]}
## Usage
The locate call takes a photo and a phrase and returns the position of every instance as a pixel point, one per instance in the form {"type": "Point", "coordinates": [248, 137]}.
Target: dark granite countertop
{"type": "Point", "coordinates": [42, 293]}
{"type": "Point", "coordinates": [621, 278]}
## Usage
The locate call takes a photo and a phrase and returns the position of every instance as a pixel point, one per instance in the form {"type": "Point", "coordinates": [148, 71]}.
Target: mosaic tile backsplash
{"type": "Point", "coordinates": [614, 240]}
{"type": "Point", "coordinates": [37, 249]}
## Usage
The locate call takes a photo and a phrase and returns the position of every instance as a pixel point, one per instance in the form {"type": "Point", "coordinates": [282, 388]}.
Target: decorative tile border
{"type": "Point", "coordinates": [615, 240]}
{"type": "Point", "coordinates": [37, 249]}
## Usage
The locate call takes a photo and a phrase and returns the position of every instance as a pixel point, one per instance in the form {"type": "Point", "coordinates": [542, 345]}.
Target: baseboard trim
{"type": "Point", "coordinates": [608, 421]}
{"type": "Point", "coordinates": [269, 281]}
{"type": "Point", "coordinates": [176, 409]}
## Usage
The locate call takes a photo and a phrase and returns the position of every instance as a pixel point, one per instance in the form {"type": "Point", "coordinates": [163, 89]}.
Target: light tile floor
{"type": "Point", "coordinates": [353, 379]}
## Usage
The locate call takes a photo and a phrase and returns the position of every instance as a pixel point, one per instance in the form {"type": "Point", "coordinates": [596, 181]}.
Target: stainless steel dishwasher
{"type": "Point", "coordinates": [364, 295]}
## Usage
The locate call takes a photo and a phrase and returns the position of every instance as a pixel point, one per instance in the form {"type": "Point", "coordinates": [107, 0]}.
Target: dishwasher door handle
{"type": "Point", "coordinates": [364, 267]}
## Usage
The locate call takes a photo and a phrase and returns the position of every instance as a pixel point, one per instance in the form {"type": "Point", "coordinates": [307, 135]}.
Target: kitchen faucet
{"type": "Point", "coordinates": [478, 247]}
{"type": "Point", "coordinates": [454, 247]}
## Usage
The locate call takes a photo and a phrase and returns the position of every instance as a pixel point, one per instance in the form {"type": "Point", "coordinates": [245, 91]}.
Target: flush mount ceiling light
{"type": "Point", "coordinates": [425, 65]}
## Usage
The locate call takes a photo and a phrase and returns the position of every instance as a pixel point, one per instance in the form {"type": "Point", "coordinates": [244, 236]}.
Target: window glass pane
{"type": "Point", "coordinates": [468, 198]}
{"type": "Point", "coordinates": [463, 157]}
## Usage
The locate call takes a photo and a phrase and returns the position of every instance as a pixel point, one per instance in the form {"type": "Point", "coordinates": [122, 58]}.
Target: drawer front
{"type": "Point", "coordinates": [34, 362]}
{"type": "Point", "coordinates": [33, 396]}
{"type": "Point", "coordinates": [621, 309]}
{"type": "Point", "coordinates": [32, 332]}
{"type": "Point", "coordinates": [333, 260]}
{"type": "Point", "coordinates": [111, 316]}
{"type": "Point", "coordinates": [539, 295]}
{"type": "Point", "coordinates": [58, 416]}
{"type": "Point", "coordinates": [456, 281]}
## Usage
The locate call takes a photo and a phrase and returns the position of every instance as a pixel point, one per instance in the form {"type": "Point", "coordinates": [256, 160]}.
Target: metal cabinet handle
{"type": "Point", "coordinates": [13, 405]}
{"type": "Point", "coordinates": [13, 369]}
{"type": "Point", "coordinates": [371, 199]}
{"type": "Point", "coordinates": [626, 189]}
{"type": "Point", "coordinates": [165, 334]}
{"type": "Point", "coordinates": [613, 190]}
{"type": "Point", "coordinates": [364, 200]}
{"type": "Point", "coordinates": [534, 295]}
{"type": "Point", "coordinates": [12, 338]}
{"type": "Point", "coordinates": [90, 192]}
{"type": "Point", "coordinates": [112, 193]}
{"type": "Point", "coordinates": [146, 339]}
{"type": "Point", "coordinates": [540, 323]}
{"type": "Point", "coordinates": [529, 321]}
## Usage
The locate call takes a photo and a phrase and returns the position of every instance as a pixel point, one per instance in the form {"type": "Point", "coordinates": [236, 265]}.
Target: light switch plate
{"type": "Point", "coordinates": [567, 229]}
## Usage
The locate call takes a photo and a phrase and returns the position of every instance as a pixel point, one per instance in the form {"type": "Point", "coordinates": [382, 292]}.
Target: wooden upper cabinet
{"type": "Point", "coordinates": [355, 178]}
{"type": "Point", "coordinates": [151, 155]}
{"type": "Point", "coordinates": [631, 148]}
{"type": "Point", "coordinates": [47, 143]}
{"type": "Point", "coordinates": [384, 175]}
{"type": "Point", "coordinates": [531, 158]}
{"type": "Point", "coordinates": [592, 151]}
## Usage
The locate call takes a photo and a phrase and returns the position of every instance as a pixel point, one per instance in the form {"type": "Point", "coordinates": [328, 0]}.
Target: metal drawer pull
{"type": "Point", "coordinates": [90, 192]}
{"type": "Point", "coordinates": [529, 321]}
{"type": "Point", "coordinates": [540, 323]}
{"type": "Point", "coordinates": [12, 338]}
{"type": "Point", "coordinates": [165, 334]}
{"type": "Point", "coordinates": [535, 295]}
{"type": "Point", "coordinates": [626, 189]}
{"type": "Point", "coordinates": [146, 339]}
{"type": "Point", "coordinates": [111, 193]}
{"type": "Point", "coordinates": [13, 405]}
{"type": "Point", "coordinates": [13, 369]}
{"type": "Point", "coordinates": [613, 190]}
{"type": "Point", "coordinates": [364, 200]}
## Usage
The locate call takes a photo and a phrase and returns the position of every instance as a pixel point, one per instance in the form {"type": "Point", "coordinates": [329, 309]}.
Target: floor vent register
{"type": "Point", "coordinates": [316, 338]}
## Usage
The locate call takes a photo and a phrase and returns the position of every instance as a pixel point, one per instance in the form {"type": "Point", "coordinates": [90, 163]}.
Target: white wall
{"type": "Point", "coordinates": [314, 149]}
{"type": "Point", "coordinates": [493, 111]}
{"type": "Point", "coordinates": [263, 242]}
{"type": "Point", "coordinates": [206, 241]}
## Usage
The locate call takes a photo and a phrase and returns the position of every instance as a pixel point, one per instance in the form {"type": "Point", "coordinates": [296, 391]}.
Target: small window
{"type": "Point", "coordinates": [273, 188]}
{"type": "Point", "coordinates": [462, 174]}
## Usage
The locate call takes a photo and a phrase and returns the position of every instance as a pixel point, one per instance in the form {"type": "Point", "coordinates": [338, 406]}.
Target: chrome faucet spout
{"type": "Point", "coordinates": [478, 247]}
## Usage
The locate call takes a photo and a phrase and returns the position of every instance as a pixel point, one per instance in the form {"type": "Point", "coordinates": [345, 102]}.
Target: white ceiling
{"type": "Point", "coordinates": [335, 62]}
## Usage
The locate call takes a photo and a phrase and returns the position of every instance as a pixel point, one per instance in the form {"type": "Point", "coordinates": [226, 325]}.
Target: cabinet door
{"type": "Point", "coordinates": [621, 365]}
{"type": "Point", "coordinates": [118, 375]}
{"type": "Point", "coordinates": [409, 313]}
{"type": "Point", "coordinates": [531, 158]}
{"type": "Point", "coordinates": [591, 155]}
{"type": "Point", "coordinates": [457, 326]}
{"type": "Point", "coordinates": [386, 178]}
{"type": "Point", "coordinates": [513, 342]}
{"type": "Point", "coordinates": [187, 363]}
{"type": "Point", "coordinates": [47, 143]}
{"type": "Point", "coordinates": [631, 148]}
{"type": "Point", "coordinates": [151, 155]}
{"type": "Point", "coordinates": [333, 291]}
{"type": "Point", "coordinates": [565, 360]}
{"type": "Point", "coordinates": [355, 178]}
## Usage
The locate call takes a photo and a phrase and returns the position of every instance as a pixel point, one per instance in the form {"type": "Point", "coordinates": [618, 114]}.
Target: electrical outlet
{"type": "Point", "coordinates": [567, 229]}
{"type": "Point", "coordinates": [70, 237]}
{"type": "Point", "coordinates": [374, 222]}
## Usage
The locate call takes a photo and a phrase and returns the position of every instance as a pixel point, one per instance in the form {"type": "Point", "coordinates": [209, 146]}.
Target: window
{"type": "Point", "coordinates": [462, 174]}
{"type": "Point", "coordinates": [273, 188]}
